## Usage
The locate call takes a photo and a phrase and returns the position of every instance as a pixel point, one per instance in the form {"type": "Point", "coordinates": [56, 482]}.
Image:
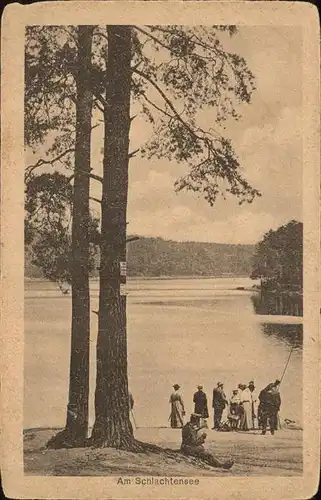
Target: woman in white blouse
{"type": "Point", "coordinates": [246, 401]}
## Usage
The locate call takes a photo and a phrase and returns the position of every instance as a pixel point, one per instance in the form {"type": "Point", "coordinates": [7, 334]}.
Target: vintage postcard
{"type": "Point", "coordinates": [160, 250]}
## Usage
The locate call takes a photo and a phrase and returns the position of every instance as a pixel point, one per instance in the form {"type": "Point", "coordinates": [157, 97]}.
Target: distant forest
{"type": "Point", "coordinates": [157, 257]}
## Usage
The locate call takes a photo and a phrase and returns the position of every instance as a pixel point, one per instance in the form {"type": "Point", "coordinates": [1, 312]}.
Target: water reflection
{"type": "Point", "coordinates": [288, 303]}
{"type": "Point", "coordinates": [292, 335]}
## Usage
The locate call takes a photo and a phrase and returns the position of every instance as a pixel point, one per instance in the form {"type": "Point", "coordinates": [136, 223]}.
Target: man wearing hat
{"type": "Point", "coordinates": [177, 408]}
{"type": "Point", "coordinates": [270, 402]}
{"type": "Point", "coordinates": [192, 443]}
{"type": "Point", "coordinates": [200, 402]}
{"type": "Point", "coordinates": [218, 404]}
{"type": "Point", "coordinates": [277, 384]}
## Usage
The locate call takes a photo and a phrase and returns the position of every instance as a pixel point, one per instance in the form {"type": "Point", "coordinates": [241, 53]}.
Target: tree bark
{"type": "Point", "coordinates": [75, 432]}
{"type": "Point", "coordinates": [112, 424]}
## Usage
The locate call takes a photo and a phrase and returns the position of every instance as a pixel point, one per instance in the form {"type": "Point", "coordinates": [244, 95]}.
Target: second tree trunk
{"type": "Point", "coordinates": [112, 425]}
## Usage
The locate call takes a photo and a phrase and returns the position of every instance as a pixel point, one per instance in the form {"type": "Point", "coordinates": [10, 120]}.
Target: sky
{"type": "Point", "coordinates": [267, 141]}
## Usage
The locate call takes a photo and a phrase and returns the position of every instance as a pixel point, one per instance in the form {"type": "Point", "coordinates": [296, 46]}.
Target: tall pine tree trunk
{"type": "Point", "coordinates": [75, 432]}
{"type": "Point", "coordinates": [112, 424]}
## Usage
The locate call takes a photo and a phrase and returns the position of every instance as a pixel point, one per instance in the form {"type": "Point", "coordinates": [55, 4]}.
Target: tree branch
{"type": "Point", "coordinates": [200, 43]}
{"type": "Point", "coordinates": [95, 199]}
{"type": "Point", "coordinates": [157, 107]}
{"type": "Point", "coordinates": [75, 39]}
{"type": "Point", "coordinates": [204, 138]}
{"type": "Point", "coordinates": [97, 124]}
{"type": "Point", "coordinates": [169, 31]}
{"type": "Point", "coordinates": [168, 102]}
{"type": "Point", "coordinates": [152, 37]}
{"type": "Point", "coordinates": [95, 177]}
{"type": "Point", "coordinates": [133, 153]}
{"type": "Point", "coordinates": [98, 106]}
{"type": "Point", "coordinates": [101, 34]}
{"type": "Point", "coordinates": [132, 238]}
{"type": "Point", "coordinates": [41, 162]}
{"type": "Point", "coordinates": [102, 100]}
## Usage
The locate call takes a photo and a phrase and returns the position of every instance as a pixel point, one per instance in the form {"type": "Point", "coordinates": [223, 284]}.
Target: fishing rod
{"type": "Point", "coordinates": [292, 349]}
{"type": "Point", "coordinates": [285, 368]}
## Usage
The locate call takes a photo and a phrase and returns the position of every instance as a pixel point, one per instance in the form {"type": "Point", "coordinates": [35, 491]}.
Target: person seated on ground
{"type": "Point", "coordinates": [193, 439]}
{"type": "Point", "coordinates": [235, 410]}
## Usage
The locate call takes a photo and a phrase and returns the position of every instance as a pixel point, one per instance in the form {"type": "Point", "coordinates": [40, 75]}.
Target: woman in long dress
{"type": "Point", "coordinates": [246, 401]}
{"type": "Point", "coordinates": [251, 386]}
{"type": "Point", "coordinates": [177, 408]}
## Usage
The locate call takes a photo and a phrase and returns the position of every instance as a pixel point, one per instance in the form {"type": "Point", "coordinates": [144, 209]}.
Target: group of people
{"type": "Point", "coordinates": [246, 410]}
{"type": "Point", "coordinates": [244, 407]}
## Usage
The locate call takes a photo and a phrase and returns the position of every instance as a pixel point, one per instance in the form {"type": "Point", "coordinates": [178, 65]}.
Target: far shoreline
{"type": "Point", "coordinates": [187, 277]}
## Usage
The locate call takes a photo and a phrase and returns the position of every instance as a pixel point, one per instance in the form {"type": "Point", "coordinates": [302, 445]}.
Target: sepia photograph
{"type": "Point", "coordinates": [165, 200]}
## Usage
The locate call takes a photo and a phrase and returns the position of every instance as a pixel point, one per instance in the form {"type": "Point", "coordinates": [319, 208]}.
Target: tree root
{"type": "Point", "coordinates": [178, 456]}
{"type": "Point", "coordinates": [136, 446]}
{"type": "Point", "coordinates": [66, 439]}
{"type": "Point", "coordinates": [128, 443]}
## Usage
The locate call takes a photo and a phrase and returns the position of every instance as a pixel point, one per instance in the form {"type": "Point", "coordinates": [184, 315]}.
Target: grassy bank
{"type": "Point", "coordinates": [254, 455]}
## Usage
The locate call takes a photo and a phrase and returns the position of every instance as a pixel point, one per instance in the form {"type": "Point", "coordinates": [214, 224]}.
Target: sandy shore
{"type": "Point", "coordinates": [254, 455]}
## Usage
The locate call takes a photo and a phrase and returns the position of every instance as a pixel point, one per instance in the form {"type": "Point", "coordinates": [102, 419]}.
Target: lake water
{"type": "Point", "coordinates": [185, 331]}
